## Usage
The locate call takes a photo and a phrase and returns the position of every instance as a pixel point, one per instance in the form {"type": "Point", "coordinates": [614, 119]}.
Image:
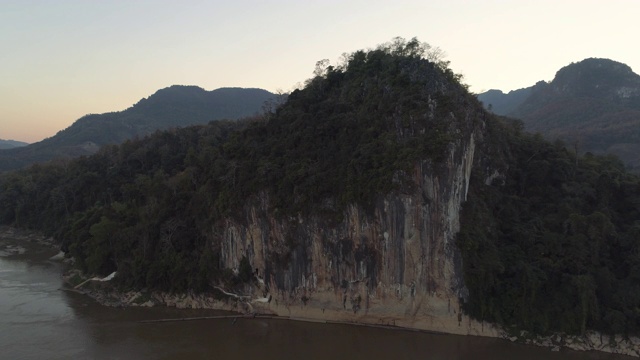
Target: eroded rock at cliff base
{"type": "Point", "coordinates": [397, 265]}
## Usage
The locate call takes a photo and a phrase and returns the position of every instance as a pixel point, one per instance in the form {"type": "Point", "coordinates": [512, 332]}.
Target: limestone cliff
{"type": "Point", "coordinates": [399, 266]}
{"type": "Point", "coordinates": [345, 203]}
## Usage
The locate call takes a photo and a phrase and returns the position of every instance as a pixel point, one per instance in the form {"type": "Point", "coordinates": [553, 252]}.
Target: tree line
{"type": "Point", "coordinates": [550, 243]}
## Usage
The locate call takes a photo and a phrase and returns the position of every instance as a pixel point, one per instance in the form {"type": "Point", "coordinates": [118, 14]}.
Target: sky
{"type": "Point", "coordinates": [63, 59]}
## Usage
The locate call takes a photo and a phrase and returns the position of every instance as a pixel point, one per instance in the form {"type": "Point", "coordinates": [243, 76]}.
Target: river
{"type": "Point", "coordinates": [40, 320]}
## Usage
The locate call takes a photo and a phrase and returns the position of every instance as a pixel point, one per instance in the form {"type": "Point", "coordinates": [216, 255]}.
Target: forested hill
{"type": "Point", "coordinates": [549, 241]}
{"type": "Point", "coordinates": [175, 106]}
{"type": "Point", "coordinates": [593, 104]}
{"type": "Point", "coordinates": [9, 144]}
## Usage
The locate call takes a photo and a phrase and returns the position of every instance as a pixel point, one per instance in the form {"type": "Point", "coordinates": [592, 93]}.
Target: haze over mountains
{"type": "Point", "coordinates": [593, 105]}
{"type": "Point", "coordinates": [175, 106]}
{"type": "Point", "coordinates": [10, 144]}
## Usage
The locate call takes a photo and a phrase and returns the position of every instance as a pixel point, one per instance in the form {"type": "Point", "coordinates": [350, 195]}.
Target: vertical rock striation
{"type": "Point", "coordinates": [395, 265]}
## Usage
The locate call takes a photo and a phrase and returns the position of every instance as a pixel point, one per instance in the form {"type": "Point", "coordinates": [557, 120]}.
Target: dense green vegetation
{"type": "Point", "coordinates": [346, 134]}
{"type": "Point", "coordinates": [139, 208]}
{"type": "Point", "coordinates": [554, 243]}
{"type": "Point", "coordinates": [147, 207]}
{"type": "Point", "coordinates": [549, 244]}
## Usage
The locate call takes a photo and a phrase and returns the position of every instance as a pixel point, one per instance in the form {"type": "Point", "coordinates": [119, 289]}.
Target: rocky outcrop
{"type": "Point", "coordinates": [396, 264]}
{"type": "Point", "coordinates": [17, 242]}
{"type": "Point", "coordinates": [591, 340]}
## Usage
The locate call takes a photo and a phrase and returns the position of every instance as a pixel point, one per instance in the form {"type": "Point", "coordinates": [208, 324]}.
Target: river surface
{"type": "Point", "coordinates": [40, 320]}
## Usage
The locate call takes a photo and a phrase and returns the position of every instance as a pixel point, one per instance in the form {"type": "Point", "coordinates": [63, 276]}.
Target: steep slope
{"type": "Point", "coordinates": [593, 104]}
{"type": "Point", "coordinates": [343, 205]}
{"type": "Point", "coordinates": [381, 193]}
{"type": "Point", "coordinates": [176, 106]}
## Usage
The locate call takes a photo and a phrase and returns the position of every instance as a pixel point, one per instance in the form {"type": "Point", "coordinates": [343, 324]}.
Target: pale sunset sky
{"type": "Point", "coordinates": [62, 59]}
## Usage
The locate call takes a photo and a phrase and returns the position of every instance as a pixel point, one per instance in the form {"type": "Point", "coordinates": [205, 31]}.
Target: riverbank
{"type": "Point", "coordinates": [107, 295]}
{"type": "Point", "coordinates": [18, 243]}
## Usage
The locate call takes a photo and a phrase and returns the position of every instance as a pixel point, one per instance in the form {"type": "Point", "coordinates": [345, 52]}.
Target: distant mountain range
{"type": "Point", "coordinates": [175, 106]}
{"type": "Point", "coordinates": [10, 144]}
{"type": "Point", "coordinates": [593, 104]}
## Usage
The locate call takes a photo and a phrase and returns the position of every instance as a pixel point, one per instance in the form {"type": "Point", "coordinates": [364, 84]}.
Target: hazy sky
{"type": "Point", "coordinates": [62, 59]}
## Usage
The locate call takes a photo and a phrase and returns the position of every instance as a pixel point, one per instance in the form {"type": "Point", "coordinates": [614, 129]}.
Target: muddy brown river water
{"type": "Point", "coordinates": [40, 320]}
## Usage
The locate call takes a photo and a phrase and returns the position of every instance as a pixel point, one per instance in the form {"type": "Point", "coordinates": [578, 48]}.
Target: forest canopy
{"type": "Point", "coordinates": [548, 244]}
